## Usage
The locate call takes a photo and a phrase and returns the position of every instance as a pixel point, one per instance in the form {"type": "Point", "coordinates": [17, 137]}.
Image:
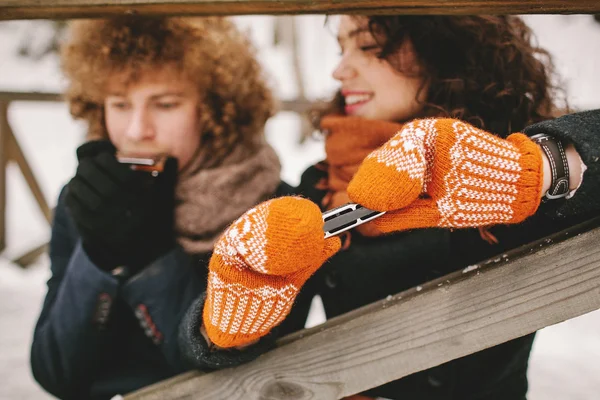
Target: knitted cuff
{"type": "Point", "coordinates": [236, 314]}
{"type": "Point", "coordinates": [531, 177]}
{"type": "Point", "coordinates": [196, 351]}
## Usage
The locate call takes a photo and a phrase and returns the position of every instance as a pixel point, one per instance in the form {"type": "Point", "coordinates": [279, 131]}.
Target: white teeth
{"type": "Point", "coordinates": [357, 98]}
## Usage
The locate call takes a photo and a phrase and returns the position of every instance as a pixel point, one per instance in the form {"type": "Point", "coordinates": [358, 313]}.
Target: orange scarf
{"type": "Point", "coordinates": [348, 140]}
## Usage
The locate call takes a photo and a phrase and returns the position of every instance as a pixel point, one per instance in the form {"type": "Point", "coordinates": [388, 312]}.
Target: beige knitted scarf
{"type": "Point", "coordinates": [210, 197]}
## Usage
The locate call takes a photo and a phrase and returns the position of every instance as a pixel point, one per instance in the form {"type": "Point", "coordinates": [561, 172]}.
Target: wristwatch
{"type": "Point", "coordinates": [559, 167]}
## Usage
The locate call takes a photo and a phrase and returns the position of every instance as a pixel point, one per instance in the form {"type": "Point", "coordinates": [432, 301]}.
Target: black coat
{"type": "Point", "coordinates": [372, 268]}
{"type": "Point", "coordinates": [97, 337]}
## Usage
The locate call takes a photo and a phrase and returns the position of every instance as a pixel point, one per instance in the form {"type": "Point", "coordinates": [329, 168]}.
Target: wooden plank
{"type": "Point", "coordinates": [547, 282]}
{"type": "Point", "coordinates": [30, 96]}
{"type": "Point", "coordinates": [61, 9]}
{"type": "Point", "coordinates": [3, 163]}
{"type": "Point", "coordinates": [30, 256]}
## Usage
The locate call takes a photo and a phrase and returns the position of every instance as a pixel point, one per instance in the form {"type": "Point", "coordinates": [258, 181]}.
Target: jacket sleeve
{"type": "Point", "coordinates": [583, 130]}
{"type": "Point", "coordinates": [72, 326]}
{"type": "Point", "coordinates": [198, 354]}
{"type": "Point", "coordinates": [160, 295]}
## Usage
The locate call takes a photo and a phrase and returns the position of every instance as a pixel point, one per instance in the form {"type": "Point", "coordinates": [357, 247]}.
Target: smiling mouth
{"type": "Point", "coordinates": [355, 101]}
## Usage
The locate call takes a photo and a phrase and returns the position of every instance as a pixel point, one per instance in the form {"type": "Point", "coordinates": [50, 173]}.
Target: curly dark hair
{"type": "Point", "coordinates": [209, 52]}
{"type": "Point", "coordinates": [481, 69]}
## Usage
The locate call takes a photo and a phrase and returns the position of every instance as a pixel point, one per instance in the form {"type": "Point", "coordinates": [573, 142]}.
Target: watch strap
{"type": "Point", "coordinates": [559, 167]}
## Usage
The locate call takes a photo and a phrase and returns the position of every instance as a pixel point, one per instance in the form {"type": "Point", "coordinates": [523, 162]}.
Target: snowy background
{"type": "Point", "coordinates": [565, 364]}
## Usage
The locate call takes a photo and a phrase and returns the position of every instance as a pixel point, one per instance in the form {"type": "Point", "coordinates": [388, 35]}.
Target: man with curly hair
{"type": "Point", "coordinates": [127, 247]}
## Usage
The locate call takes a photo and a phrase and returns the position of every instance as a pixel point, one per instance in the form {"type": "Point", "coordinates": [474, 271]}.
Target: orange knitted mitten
{"type": "Point", "coordinates": [447, 173]}
{"type": "Point", "coordinates": [258, 267]}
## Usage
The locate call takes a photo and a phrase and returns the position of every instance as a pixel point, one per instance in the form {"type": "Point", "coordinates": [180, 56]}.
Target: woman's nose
{"type": "Point", "coordinates": [140, 126]}
{"type": "Point", "coordinates": [344, 70]}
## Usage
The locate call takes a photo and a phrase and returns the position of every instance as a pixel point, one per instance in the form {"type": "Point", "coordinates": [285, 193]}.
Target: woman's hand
{"type": "Point", "coordinates": [258, 267]}
{"type": "Point", "coordinates": [447, 173]}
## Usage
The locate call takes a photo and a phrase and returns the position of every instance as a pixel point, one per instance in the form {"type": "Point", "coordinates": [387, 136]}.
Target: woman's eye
{"type": "Point", "coordinates": [167, 106]}
{"type": "Point", "coordinates": [370, 48]}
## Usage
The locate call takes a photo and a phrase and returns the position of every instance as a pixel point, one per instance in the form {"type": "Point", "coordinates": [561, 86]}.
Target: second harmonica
{"type": "Point", "coordinates": [346, 217]}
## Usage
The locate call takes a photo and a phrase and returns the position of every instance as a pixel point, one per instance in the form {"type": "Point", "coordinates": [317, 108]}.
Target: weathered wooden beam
{"type": "Point", "coordinates": [62, 9]}
{"type": "Point", "coordinates": [30, 96]}
{"type": "Point", "coordinates": [547, 282]}
{"type": "Point", "coordinates": [24, 260]}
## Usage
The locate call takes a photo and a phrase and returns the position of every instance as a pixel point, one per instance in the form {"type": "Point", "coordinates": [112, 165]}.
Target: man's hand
{"type": "Point", "coordinates": [124, 217]}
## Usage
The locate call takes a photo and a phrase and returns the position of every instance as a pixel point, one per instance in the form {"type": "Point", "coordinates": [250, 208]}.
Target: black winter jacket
{"type": "Point", "coordinates": [96, 337]}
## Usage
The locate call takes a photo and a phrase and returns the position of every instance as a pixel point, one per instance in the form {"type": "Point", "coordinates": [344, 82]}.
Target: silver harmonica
{"type": "Point", "coordinates": [346, 217]}
{"type": "Point", "coordinates": [154, 165]}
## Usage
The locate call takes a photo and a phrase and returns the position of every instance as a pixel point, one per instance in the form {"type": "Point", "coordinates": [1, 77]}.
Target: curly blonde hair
{"type": "Point", "coordinates": [210, 52]}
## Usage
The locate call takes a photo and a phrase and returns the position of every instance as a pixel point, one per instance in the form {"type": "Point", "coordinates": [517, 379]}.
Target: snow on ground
{"type": "Point", "coordinates": [565, 364]}
{"type": "Point", "coordinates": [21, 296]}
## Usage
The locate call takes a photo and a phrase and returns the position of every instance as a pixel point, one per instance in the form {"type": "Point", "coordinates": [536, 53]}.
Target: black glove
{"type": "Point", "coordinates": [124, 217]}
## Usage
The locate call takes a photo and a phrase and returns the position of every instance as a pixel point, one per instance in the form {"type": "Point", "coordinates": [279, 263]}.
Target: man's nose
{"type": "Point", "coordinates": [140, 126]}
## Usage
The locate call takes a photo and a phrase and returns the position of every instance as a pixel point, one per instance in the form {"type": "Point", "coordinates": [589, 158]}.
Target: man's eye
{"type": "Point", "coordinates": [119, 105]}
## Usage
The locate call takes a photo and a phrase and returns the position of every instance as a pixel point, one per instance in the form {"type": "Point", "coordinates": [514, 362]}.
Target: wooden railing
{"type": "Point", "coordinates": [10, 150]}
{"type": "Point", "coordinates": [541, 284]}
{"type": "Point", "coordinates": [60, 9]}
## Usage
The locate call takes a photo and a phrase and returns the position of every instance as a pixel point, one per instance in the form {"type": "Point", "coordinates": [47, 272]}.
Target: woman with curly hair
{"type": "Point", "coordinates": [129, 248]}
{"type": "Point", "coordinates": [422, 128]}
